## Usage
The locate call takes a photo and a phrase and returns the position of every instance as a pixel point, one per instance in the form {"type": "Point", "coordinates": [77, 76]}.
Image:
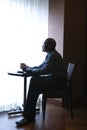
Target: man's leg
{"type": "Point", "coordinates": [33, 93]}
{"type": "Point", "coordinates": [37, 86]}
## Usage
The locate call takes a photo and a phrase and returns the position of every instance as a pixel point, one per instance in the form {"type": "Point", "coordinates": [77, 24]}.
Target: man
{"type": "Point", "coordinates": [49, 76]}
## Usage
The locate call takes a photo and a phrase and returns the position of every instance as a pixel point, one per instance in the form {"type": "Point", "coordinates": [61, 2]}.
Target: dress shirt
{"type": "Point", "coordinates": [53, 65]}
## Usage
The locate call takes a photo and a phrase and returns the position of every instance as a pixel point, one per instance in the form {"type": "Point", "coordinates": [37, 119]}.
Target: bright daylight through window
{"type": "Point", "coordinates": [23, 28]}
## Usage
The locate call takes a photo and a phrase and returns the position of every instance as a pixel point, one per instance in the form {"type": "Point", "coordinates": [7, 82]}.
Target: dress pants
{"type": "Point", "coordinates": [38, 85]}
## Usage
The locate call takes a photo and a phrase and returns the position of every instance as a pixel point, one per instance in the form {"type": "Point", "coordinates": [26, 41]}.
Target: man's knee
{"type": "Point", "coordinates": [34, 80]}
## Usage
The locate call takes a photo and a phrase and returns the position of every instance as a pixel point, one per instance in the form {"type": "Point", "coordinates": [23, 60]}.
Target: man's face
{"type": "Point", "coordinates": [43, 48]}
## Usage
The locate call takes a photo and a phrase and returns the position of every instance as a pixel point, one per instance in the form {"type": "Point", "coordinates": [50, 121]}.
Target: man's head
{"type": "Point", "coordinates": [49, 45]}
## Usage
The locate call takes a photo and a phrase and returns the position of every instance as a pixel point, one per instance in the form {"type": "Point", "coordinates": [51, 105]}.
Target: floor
{"type": "Point", "coordinates": [56, 119]}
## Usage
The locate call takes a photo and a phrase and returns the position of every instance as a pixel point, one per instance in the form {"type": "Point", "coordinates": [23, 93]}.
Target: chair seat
{"type": "Point", "coordinates": [56, 94]}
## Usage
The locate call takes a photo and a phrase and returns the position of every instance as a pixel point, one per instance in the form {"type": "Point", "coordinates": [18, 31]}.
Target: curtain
{"type": "Point", "coordinates": [23, 29]}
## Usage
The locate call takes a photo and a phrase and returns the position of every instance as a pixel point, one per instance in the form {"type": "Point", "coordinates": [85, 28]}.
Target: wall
{"type": "Point", "coordinates": [67, 25]}
{"type": "Point", "coordinates": [56, 22]}
{"type": "Point", "coordinates": [86, 53]}
{"type": "Point", "coordinates": [74, 42]}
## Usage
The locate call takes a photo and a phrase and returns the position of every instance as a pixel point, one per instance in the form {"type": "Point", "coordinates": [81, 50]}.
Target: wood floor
{"type": "Point", "coordinates": [56, 119]}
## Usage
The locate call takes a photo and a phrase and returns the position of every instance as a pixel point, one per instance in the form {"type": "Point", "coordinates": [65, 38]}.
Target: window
{"type": "Point", "coordinates": [23, 28]}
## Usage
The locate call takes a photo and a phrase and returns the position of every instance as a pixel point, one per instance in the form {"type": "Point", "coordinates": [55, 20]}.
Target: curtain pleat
{"type": "Point", "coordinates": [23, 28]}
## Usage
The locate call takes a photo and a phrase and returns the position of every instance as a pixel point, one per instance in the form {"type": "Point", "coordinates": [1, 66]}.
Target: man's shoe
{"type": "Point", "coordinates": [23, 122]}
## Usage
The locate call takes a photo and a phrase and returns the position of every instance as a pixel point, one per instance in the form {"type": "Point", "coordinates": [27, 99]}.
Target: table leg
{"type": "Point", "coordinates": [25, 87]}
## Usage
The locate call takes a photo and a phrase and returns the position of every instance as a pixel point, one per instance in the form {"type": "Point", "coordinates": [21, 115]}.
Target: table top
{"type": "Point", "coordinates": [22, 74]}
{"type": "Point", "coordinates": [19, 73]}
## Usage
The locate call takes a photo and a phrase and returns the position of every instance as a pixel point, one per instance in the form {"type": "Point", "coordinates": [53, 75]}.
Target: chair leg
{"type": "Point", "coordinates": [71, 111]}
{"type": "Point", "coordinates": [70, 106]}
{"type": "Point", "coordinates": [44, 99]}
{"type": "Point", "coordinates": [67, 104]}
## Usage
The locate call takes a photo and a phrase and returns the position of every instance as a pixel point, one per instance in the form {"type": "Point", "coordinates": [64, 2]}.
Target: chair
{"type": "Point", "coordinates": [66, 94]}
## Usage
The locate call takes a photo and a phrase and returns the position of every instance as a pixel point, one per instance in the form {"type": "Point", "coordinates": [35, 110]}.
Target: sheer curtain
{"type": "Point", "coordinates": [23, 28]}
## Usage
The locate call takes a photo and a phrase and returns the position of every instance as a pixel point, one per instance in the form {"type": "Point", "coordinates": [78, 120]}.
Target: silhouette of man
{"type": "Point", "coordinates": [49, 76]}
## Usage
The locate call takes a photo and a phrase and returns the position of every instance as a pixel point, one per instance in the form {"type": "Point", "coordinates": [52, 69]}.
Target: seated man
{"type": "Point", "coordinates": [55, 70]}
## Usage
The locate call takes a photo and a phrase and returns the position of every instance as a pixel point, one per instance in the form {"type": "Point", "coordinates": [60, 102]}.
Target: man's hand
{"type": "Point", "coordinates": [23, 66]}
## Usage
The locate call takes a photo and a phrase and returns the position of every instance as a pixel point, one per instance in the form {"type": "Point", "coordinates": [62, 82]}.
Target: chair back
{"type": "Point", "coordinates": [70, 71]}
{"type": "Point", "coordinates": [70, 75]}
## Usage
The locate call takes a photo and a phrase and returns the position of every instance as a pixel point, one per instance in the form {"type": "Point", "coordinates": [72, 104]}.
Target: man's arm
{"type": "Point", "coordinates": [46, 67]}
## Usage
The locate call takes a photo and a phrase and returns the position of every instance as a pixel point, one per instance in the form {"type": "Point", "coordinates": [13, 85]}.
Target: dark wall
{"type": "Point", "coordinates": [86, 52]}
{"type": "Point", "coordinates": [73, 39]}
